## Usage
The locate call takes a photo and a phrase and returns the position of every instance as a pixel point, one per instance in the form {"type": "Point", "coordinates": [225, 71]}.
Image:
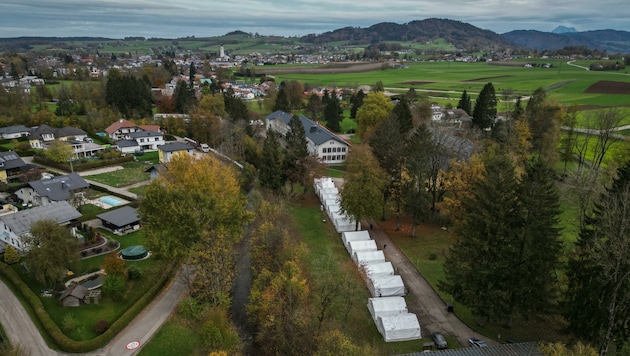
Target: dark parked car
{"type": "Point", "coordinates": [439, 340]}
{"type": "Point", "coordinates": [473, 341]}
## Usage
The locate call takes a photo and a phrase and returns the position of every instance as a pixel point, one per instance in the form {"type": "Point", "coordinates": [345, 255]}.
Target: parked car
{"type": "Point", "coordinates": [439, 340]}
{"type": "Point", "coordinates": [474, 342]}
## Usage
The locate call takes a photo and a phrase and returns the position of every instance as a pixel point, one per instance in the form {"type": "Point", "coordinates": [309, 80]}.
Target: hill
{"type": "Point", "coordinates": [461, 35]}
{"type": "Point", "coordinates": [612, 41]}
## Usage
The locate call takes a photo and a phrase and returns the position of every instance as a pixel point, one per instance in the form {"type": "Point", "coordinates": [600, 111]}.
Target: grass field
{"type": "Point", "coordinates": [132, 172]}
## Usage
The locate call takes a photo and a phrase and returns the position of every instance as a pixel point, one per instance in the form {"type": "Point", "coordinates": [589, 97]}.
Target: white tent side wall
{"type": "Point", "coordinates": [386, 306]}
{"type": "Point", "coordinates": [399, 327]}
{"type": "Point", "coordinates": [361, 246]}
{"type": "Point", "coordinates": [362, 258]}
{"type": "Point", "coordinates": [378, 269]}
{"type": "Point", "coordinates": [386, 286]}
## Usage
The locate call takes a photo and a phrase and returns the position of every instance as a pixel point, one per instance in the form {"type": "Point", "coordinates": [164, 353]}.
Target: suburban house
{"type": "Point", "coordinates": [121, 128]}
{"type": "Point", "coordinates": [11, 166]}
{"type": "Point", "coordinates": [325, 144]}
{"type": "Point", "coordinates": [16, 131]}
{"type": "Point", "coordinates": [46, 191]}
{"type": "Point", "coordinates": [168, 150]}
{"type": "Point", "coordinates": [120, 221]}
{"type": "Point", "coordinates": [13, 227]}
{"type": "Point", "coordinates": [140, 141]}
{"type": "Point", "coordinates": [43, 134]}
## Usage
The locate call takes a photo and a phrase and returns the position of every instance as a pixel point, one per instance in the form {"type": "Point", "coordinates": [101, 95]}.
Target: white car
{"type": "Point", "coordinates": [474, 342]}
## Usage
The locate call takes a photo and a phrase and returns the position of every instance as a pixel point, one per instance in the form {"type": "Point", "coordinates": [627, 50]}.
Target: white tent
{"type": "Point", "coordinates": [345, 225]}
{"type": "Point", "coordinates": [386, 306]}
{"type": "Point", "coordinates": [378, 269]}
{"type": "Point", "coordinates": [399, 327]}
{"type": "Point", "coordinates": [330, 203]}
{"type": "Point", "coordinates": [386, 286]}
{"type": "Point", "coordinates": [361, 246]}
{"type": "Point", "coordinates": [333, 208]}
{"type": "Point", "coordinates": [363, 258]}
{"type": "Point", "coordinates": [327, 196]}
{"type": "Point", "coordinates": [348, 236]}
{"type": "Point", "coordinates": [323, 183]}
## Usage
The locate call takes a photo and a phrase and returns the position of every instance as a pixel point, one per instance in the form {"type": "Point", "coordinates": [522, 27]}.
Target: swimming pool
{"type": "Point", "coordinates": [111, 200]}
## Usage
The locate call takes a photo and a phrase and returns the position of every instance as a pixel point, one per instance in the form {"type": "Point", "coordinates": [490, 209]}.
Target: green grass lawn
{"type": "Point", "coordinates": [336, 171]}
{"type": "Point", "coordinates": [173, 338]}
{"type": "Point", "coordinates": [133, 172]}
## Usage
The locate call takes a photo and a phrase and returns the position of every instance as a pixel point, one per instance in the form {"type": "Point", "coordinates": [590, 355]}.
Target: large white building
{"type": "Point", "coordinates": [322, 142]}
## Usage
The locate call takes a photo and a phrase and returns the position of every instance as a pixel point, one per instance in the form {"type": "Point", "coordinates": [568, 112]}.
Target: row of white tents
{"type": "Point", "coordinates": [387, 305]}
{"type": "Point", "coordinates": [329, 196]}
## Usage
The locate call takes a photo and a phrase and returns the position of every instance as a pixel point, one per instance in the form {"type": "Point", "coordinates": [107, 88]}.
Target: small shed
{"type": "Point", "coordinates": [120, 221]}
{"type": "Point", "coordinates": [73, 296]}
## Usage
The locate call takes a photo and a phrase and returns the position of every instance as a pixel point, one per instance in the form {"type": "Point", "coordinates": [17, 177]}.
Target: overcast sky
{"type": "Point", "coordinates": [181, 18]}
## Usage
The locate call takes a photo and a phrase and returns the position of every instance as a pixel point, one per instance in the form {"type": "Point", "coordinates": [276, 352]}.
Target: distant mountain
{"type": "Point", "coordinates": [612, 41]}
{"type": "Point", "coordinates": [563, 29]}
{"type": "Point", "coordinates": [461, 35]}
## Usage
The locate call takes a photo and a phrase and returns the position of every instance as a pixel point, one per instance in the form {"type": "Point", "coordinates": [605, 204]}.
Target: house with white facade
{"type": "Point", "coordinates": [43, 134]}
{"type": "Point", "coordinates": [14, 227]}
{"type": "Point", "coordinates": [140, 141]}
{"type": "Point", "coordinates": [48, 191]}
{"type": "Point", "coordinates": [325, 144]}
{"type": "Point", "coordinates": [16, 131]}
{"type": "Point", "coordinates": [121, 128]}
{"type": "Point", "coordinates": [171, 149]}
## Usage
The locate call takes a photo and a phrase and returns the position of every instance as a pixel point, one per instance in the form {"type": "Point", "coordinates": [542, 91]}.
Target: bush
{"type": "Point", "coordinates": [11, 256]}
{"type": "Point", "coordinates": [190, 308]}
{"type": "Point", "coordinates": [69, 323]}
{"type": "Point", "coordinates": [134, 272]}
{"type": "Point", "coordinates": [219, 333]}
{"type": "Point", "coordinates": [114, 287]}
{"type": "Point", "coordinates": [101, 326]}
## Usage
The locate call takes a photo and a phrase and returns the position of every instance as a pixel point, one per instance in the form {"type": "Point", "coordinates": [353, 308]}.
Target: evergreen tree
{"type": "Point", "coordinates": [282, 101]}
{"type": "Point", "coordinates": [356, 101]}
{"type": "Point", "coordinates": [314, 107]}
{"type": "Point", "coordinates": [332, 114]}
{"type": "Point", "coordinates": [402, 113]}
{"type": "Point", "coordinates": [184, 98]}
{"type": "Point", "coordinates": [191, 75]}
{"type": "Point", "coordinates": [411, 95]}
{"type": "Point", "coordinates": [596, 304]}
{"type": "Point", "coordinates": [296, 152]}
{"type": "Point", "coordinates": [518, 111]}
{"type": "Point", "coordinates": [418, 151]}
{"type": "Point", "coordinates": [485, 111]}
{"type": "Point", "coordinates": [235, 107]}
{"type": "Point", "coordinates": [272, 163]}
{"type": "Point", "coordinates": [464, 103]}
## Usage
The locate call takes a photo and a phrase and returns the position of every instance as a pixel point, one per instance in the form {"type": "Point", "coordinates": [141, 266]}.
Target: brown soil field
{"type": "Point", "coordinates": [486, 78]}
{"type": "Point", "coordinates": [609, 87]}
{"type": "Point", "coordinates": [327, 69]}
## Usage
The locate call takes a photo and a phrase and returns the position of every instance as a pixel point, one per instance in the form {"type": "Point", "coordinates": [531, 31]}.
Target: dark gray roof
{"type": "Point", "coordinates": [59, 188]}
{"type": "Point", "coordinates": [520, 349]}
{"type": "Point", "coordinates": [457, 146]}
{"type": "Point", "coordinates": [21, 222]}
{"type": "Point", "coordinates": [93, 283]}
{"type": "Point", "coordinates": [139, 134]}
{"type": "Point", "coordinates": [315, 131]}
{"type": "Point", "coordinates": [38, 131]}
{"type": "Point", "coordinates": [126, 143]}
{"type": "Point", "coordinates": [75, 290]}
{"type": "Point", "coordinates": [14, 129]}
{"type": "Point", "coordinates": [120, 217]}
{"type": "Point", "coordinates": [175, 146]}
{"type": "Point", "coordinates": [9, 160]}
{"type": "Point", "coordinates": [69, 131]}
{"type": "Point", "coordinates": [156, 167]}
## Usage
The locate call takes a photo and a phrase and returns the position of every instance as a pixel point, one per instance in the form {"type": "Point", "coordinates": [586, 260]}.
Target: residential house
{"type": "Point", "coordinates": [16, 131]}
{"type": "Point", "coordinates": [325, 144]}
{"type": "Point", "coordinates": [168, 150]}
{"type": "Point", "coordinates": [11, 166]}
{"type": "Point", "coordinates": [121, 128]}
{"type": "Point", "coordinates": [140, 141]}
{"type": "Point", "coordinates": [14, 227]}
{"type": "Point", "coordinates": [43, 134]}
{"type": "Point", "coordinates": [46, 191]}
{"type": "Point", "coordinates": [120, 221]}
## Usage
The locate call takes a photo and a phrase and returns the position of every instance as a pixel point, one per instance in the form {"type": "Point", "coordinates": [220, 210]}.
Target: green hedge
{"type": "Point", "coordinates": [82, 166]}
{"type": "Point", "coordinates": [64, 342]}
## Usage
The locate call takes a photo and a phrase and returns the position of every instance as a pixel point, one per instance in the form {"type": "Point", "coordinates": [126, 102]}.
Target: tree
{"type": "Point", "coordinates": [194, 198]}
{"type": "Point", "coordinates": [464, 103]}
{"type": "Point", "coordinates": [11, 256]}
{"type": "Point", "coordinates": [419, 149]}
{"type": "Point", "coordinates": [363, 187]}
{"type": "Point", "coordinates": [294, 91]}
{"type": "Point", "coordinates": [332, 114]}
{"type": "Point", "coordinates": [296, 152]}
{"type": "Point", "coordinates": [270, 170]}
{"type": "Point", "coordinates": [560, 349]}
{"type": "Point", "coordinates": [402, 113]}
{"type": "Point", "coordinates": [457, 181]}
{"type": "Point", "coordinates": [282, 101]}
{"type": "Point", "coordinates": [114, 266]}
{"type": "Point", "coordinates": [544, 120]}
{"type": "Point", "coordinates": [378, 87]}
{"type": "Point", "coordinates": [52, 251]}
{"type": "Point", "coordinates": [599, 284]}
{"type": "Point", "coordinates": [485, 112]}
{"type": "Point", "coordinates": [115, 286]}
{"type": "Point", "coordinates": [314, 107]}
{"type": "Point", "coordinates": [356, 101]}
{"type": "Point", "coordinates": [568, 141]}
{"type": "Point", "coordinates": [184, 98]}
{"type": "Point", "coordinates": [498, 267]}
{"type": "Point", "coordinates": [376, 107]}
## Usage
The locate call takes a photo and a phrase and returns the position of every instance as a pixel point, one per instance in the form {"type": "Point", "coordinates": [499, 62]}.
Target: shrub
{"type": "Point", "coordinates": [69, 323]}
{"type": "Point", "coordinates": [134, 272]}
{"type": "Point", "coordinates": [114, 287]}
{"type": "Point", "coordinates": [101, 326]}
{"type": "Point", "coordinates": [112, 243]}
{"type": "Point", "coordinates": [219, 333]}
{"type": "Point", "coordinates": [11, 256]}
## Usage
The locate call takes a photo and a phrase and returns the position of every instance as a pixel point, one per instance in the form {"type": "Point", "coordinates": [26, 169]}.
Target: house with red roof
{"type": "Point", "coordinates": [122, 128]}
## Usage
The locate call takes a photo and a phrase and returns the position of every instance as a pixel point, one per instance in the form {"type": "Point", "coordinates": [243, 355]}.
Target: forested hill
{"type": "Point", "coordinates": [612, 41]}
{"type": "Point", "coordinates": [461, 35]}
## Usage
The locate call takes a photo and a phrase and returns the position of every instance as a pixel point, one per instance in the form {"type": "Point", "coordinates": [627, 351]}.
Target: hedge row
{"type": "Point", "coordinates": [82, 166]}
{"type": "Point", "coordinates": [65, 343]}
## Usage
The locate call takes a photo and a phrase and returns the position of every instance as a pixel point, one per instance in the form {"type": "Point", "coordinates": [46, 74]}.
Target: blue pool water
{"type": "Point", "coordinates": [111, 200]}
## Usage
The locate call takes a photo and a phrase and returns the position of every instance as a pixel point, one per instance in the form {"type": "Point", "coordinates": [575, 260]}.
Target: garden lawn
{"type": "Point", "coordinates": [173, 338]}
{"type": "Point", "coordinates": [132, 172]}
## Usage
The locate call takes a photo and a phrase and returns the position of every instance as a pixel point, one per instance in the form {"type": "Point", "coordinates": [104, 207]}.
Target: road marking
{"type": "Point", "coordinates": [133, 345]}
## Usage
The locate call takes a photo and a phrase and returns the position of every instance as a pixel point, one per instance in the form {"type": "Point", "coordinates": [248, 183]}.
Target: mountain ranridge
{"type": "Point", "coordinates": [612, 41]}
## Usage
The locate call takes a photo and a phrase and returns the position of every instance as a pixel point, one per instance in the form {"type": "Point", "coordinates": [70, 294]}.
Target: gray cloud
{"type": "Point", "coordinates": [153, 18]}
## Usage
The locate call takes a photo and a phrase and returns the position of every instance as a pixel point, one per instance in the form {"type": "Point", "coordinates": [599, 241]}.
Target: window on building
{"type": "Point", "coordinates": [343, 149]}
{"type": "Point", "coordinates": [343, 157]}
